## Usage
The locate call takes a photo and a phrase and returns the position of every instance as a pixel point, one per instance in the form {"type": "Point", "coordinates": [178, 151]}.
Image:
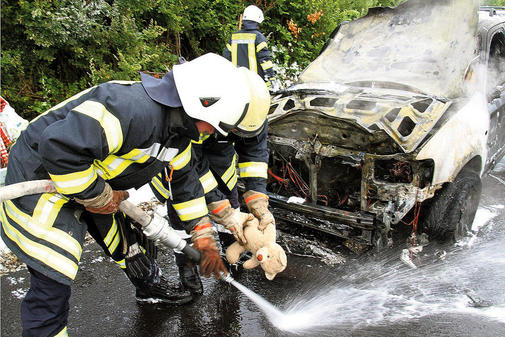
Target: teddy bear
{"type": "Point", "coordinates": [266, 252]}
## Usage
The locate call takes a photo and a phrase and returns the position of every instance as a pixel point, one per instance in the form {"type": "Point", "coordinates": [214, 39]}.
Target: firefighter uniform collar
{"type": "Point", "coordinates": [162, 90]}
{"type": "Point", "coordinates": [250, 25]}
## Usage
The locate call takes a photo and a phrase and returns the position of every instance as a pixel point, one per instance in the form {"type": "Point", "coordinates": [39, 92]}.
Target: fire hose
{"type": "Point", "coordinates": [155, 228]}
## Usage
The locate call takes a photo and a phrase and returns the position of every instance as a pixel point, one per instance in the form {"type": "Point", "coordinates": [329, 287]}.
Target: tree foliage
{"type": "Point", "coordinates": [52, 49]}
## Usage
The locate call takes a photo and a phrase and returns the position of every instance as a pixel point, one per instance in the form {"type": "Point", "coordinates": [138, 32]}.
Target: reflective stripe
{"type": "Point", "coordinates": [231, 171]}
{"type": "Point", "coordinates": [38, 251]}
{"type": "Point", "coordinates": [167, 154]}
{"type": "Point", "coordinates": [62, 333]}
{"type": "Point", "coordinates": [261, 45]}
{"type": "Point", "coordinates": [47, 209]}
{"type": "Point", "coordinates": [233, 181]}
{"type": "Point", "coordinates": [122, 264]}
{"type": "Point", "coordinates": [111, 240]}
{"type": "Point", "coordinates": [74, 182]}
{"type": "Point", "coordinates": [109, 123]}
{"type": "Point", "coordinates": [234, 48]}
{"type": "Point", "coordinates": [228, 46]}
{"type": "Point", "coordinates": [182, 159]}
{"type": "Point", "coordinates": [253, 170]}
{"type": "Point", "coordinates": [192, 209]}
{"type": "Point", "coordinates": [267, 65]}
{"type": "Point", "coordinates": [243, 38]}
{"type": "Point", "coordinates": [113, 165]}
{"type": "Point", "coordinates": [250, 40]}
{"type": "Point", "coordinates": [208, 182]}
{"type": "Point", "coordinates": [50, 234]}
{"type": "Point", "coordinates": [158, 185]}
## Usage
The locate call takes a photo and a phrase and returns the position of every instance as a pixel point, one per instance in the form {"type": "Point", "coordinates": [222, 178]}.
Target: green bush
{"type": "Point", "coordinates": [53, 49]}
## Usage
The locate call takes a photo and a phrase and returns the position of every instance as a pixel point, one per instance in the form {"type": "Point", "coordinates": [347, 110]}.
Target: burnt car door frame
{"type": "Point", "coordinates": [495, 95]}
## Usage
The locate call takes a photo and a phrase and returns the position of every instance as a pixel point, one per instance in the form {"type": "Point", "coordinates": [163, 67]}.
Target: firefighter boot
{"type": "Point", "coordinates": [188, 274]}
{"type": "Point", "coordinates": [190, 279]}
{"type": "Point", "coordinates": [151, 286]}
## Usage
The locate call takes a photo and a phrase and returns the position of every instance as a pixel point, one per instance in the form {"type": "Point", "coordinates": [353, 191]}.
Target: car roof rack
{"type": "Point", "coordinates": [493, 10]}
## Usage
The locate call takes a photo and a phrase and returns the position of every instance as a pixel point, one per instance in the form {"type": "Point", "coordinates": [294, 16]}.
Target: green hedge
{"type": "Point", "coordinates": [52, 49]}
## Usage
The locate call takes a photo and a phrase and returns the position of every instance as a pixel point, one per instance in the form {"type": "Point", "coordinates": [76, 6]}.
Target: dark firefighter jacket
{"type": "Point", "coordinates": [216, 159]}
{"type": "Point", "coordinates": [112, 132]}
{"type": "Point", "coordinates": [248, 48]}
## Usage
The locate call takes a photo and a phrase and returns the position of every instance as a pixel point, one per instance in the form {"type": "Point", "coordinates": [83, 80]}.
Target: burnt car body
{"type": "Point", "coordinates": [394, 122]}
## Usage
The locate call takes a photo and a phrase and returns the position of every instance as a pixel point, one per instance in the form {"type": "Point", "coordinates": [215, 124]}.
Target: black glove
{"type": "Point", "coordinates": [138, 266]}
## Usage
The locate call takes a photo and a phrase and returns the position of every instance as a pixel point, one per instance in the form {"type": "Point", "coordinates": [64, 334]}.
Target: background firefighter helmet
{"type": "Point", "coordinates": [253, 13]}
{"type": "Point", "coordinates": [231, 99]}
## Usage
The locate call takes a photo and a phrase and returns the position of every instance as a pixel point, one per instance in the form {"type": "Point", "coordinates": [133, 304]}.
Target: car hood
{"type": "Point", "coordinates": [426, 44]}
{"type": "Point", "coordinates": [374, 120]}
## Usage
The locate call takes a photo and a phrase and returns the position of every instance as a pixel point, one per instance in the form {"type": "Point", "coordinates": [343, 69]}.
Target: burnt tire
{"type": "Point", "coordinates": [450, 213]}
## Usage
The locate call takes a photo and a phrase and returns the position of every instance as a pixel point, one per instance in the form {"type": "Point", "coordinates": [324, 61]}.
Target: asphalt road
{"type": "Point", "coordinates": [371, 295]}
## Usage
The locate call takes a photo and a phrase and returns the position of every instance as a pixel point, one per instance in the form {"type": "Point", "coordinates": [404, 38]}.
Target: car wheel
{"type": "Point", "coordinates": [450, 214]}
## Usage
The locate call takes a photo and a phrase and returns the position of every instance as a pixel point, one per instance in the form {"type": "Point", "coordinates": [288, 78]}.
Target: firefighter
{"type": "Point", "coordinates": [101, 142]}
{"type": "Point", "coordinates": [248, 46]}
{"type": "Point", "coordinates": [217, 158]}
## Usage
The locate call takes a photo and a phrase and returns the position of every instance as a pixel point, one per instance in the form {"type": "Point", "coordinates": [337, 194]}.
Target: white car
{"type": "Point", "coordinates": [394, 123]}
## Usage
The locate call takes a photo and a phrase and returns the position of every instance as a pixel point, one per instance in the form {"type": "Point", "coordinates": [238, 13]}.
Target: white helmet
{"type": "Point", "coordinates": [253, 13]}
{"type": "Point", "coordinates": [231, 99]}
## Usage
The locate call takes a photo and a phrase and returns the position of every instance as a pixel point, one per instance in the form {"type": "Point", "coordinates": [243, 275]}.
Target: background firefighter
{"type": "Point", "coordinates": [248, 47]}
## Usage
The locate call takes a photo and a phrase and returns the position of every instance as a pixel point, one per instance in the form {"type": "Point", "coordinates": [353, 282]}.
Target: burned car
{"type": "Point", "coordinates": [394, 123]}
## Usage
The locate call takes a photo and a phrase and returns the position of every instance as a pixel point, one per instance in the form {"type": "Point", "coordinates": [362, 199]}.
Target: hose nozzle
{"type": "Point", "coordinates": [226, 277]}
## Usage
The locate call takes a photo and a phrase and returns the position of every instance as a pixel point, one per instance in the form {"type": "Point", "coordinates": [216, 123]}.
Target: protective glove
{"type": "Point", "coordinates": [138, 265]}
{"type": "Point", "coordinates": [257, 204]}
{"type": "Point", "coordinates": [224, 214]}
{"type": "Point", "coordinates": [106, 202]}
{"type": "Point", "coordinates": [202, 236]}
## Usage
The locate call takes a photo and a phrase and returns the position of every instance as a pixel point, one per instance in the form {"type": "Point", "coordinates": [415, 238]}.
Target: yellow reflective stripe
{"type": "Point", "coordinates": [234, 54]}
{"type": "Point", "coordinates": [182, 159]}
{"type": "Point", "coordinates": [208, 182]}
{"type": "Point", "coordinates": [47, 209]}
{"type": "Point", "coordinates": [51, 234]}
{"type": "Point", "coordinates": [228, 46]}
{"type": "Point", "coordinates": [158, 185]}
{"type": "Point", "coordinates": [267, 65]}
{"type": "Point", "coordinates": [38, 251]}
{"type": "Point", "coordinates": [109, 123]}
{"type": "Point", "coordinates": [192, 209]}
{"type": "Point", "coordinates": [111, 233]}
{"type": "Point", "coordinates": [253, 170]}
{"type": "Point", "coordinates": [75, 182]}
{"type": "Point", "coordinates": [115, 243]}
{"type": "Point", "coordinates": [231, 171]}
{"type": "Point", "coordinates": [233, 181]}
{"type": "Point", "coordinates": [62, 333]}
{"type": "Point", "coordinates": [122, 264]}
{"type": "Point", "coordinates": [243, 38]}
{"type": "Point", "coordinates": [253, 65]}
{"type": "Point", "coordinates": [261, 45]}
{"type": "Point", "coordinates": [112, 166]}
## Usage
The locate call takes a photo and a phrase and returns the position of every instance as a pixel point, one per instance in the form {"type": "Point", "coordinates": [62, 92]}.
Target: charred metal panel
{"type": "Point", "coordinates": [392, 112]}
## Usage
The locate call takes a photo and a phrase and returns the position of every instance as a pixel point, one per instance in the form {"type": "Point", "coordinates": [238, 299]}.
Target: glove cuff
{"type": "Point", "coordinates": [100, 200]}
{"type": "Point", "coordinates": [203, 229]}
{"type": "Point", "coordinates": [219, 206]}
{"type": "Point", "coordinates": [253, 195]}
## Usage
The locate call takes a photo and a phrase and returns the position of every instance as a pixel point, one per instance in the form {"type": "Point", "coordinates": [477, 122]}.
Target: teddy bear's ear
{"type": "Point", "coordinates": [270, 276]}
